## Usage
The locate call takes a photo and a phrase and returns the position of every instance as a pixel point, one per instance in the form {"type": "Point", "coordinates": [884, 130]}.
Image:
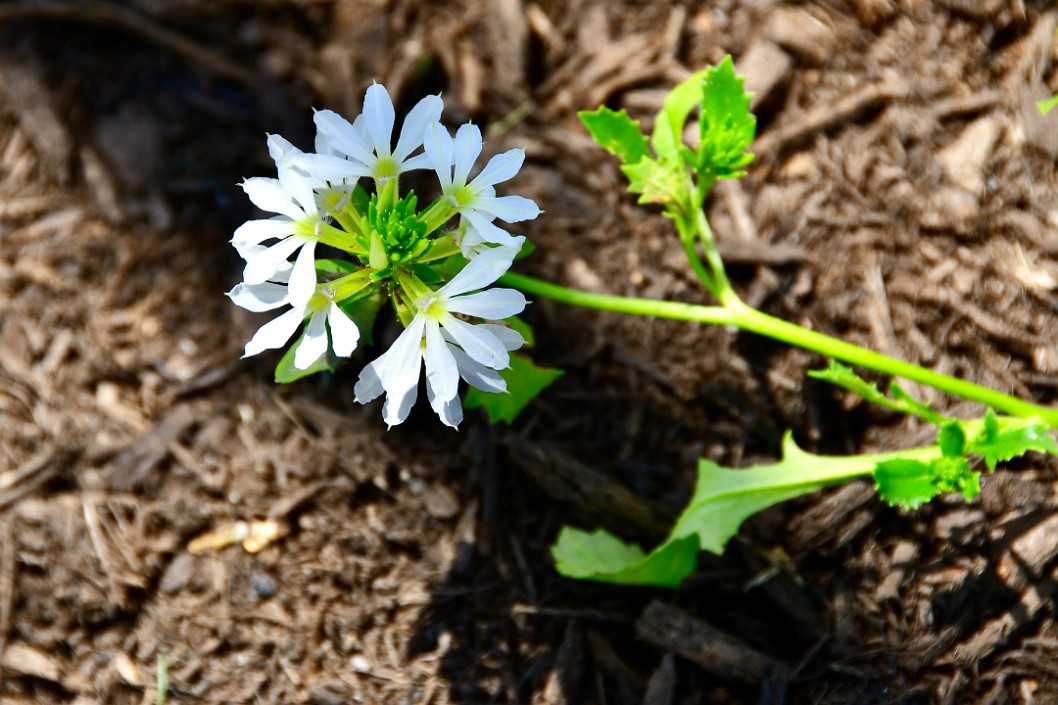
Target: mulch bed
{"type": "Point", "coordinates": [905, 197]}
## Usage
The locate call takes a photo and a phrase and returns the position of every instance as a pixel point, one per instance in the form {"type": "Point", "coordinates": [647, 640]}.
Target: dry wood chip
{"type": "Point", "coordinates": [717, 652]}
{"type": "Point", "coordinates": [134, 465]}
{"type": "Point", "coordinates": [662, 684]}
{"type": "Point", "coordinates": [565, 479]}
{"type": "Point", "coordinates": [19, 657]}
{"type": "Point", "coordinates": [803, 32]}
{"type": "Point", "coordinates": [24, 91]}
{"type": "Point", "coordinates": [765, 67]}
{"type": "Point", "coordinates": [964, 160]}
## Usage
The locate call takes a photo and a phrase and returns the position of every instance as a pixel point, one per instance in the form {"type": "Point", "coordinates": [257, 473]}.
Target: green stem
{"type": "Point", "coordinates": [736, 313]}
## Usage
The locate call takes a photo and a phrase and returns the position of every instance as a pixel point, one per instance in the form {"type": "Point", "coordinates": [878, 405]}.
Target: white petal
{"type": "Point", "coordinates": [448, 409]}
{"type": "Point", "coordinates": [299, 185]}
{"type": "Point", "coordinates": [369, 383]}
{"type": "Point", "coordinates": [490, 232]}
{"type": "Point", "coordinates": [281, 150]}
{"type": "Point", "coordinates": [477, 375]}
{"type": "Point", "coordinates": [467, 148]}
{"type": "Point", "coordinates": [438, 145]}
{"type": "Point", "coordinates": [509, 337]}
{"type": "Point", "coordinates": [326, 167]}
{"type": "Point", "coordinates": [263, 266]}
{"type": "Point", "coordinates": [513, 209]}
{"type": "Point", "coordinates": [500, 168]}
{"type": "Point", "coordinates": [479, 343]}
{"type": "Point", "coordinates": [303, 276]}
{"type": "Point", "coordinates": [379, 117]}
{"type": "Point", "coordinates": [314, 345]}
{"type": "Point", "coordinates": [419, 161]}
{"type": "Point", "coordinates": [344, 333]}
{"type": "Point", "coordinates": [275, 333]}
{"type": "Point", "coordinates": [258, 297]}
{"type": "Point", "coordinates": [343, 137]}
{"type": "Point", "coordinates": [480, 272]}
{"type": "Point", "coordinates": [425, 111]}
{"type": "Point", "coordinates": [254, 232]}
{"type": "Point", "coordinates": [441, 372]}
{"type": "Point", "coordinates": [268, 195]}
{"type": "Point", "coordinates": [493, 304]}
{"type": "Point", "coordinates": [398, 406]}
{"type": "Point", "coordinates": [404, 359]}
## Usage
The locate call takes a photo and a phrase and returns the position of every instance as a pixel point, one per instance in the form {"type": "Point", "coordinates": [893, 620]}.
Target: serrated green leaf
{"type": "Point", "coordinates": [524, 382]}
{"type": "Point", "coordinates": [953, 474]}
{"type": "Point", "coordinates": [667, 136]}
{"type": "Point", "coordinates": [602, 557]}
{"type": "Point", "coordinates": [998, 444]}
{"type": "Point", "coordinates": [287, 373]}
{"type": "Point", "coordinates": [654, 181]}
{"type": "Point", "coordinates": [842, 376]}
{"type": "Point", "coordinates": [727, 125]}
{"type": "Point", "coordinates": [617, 133]}
{"type": "Point", "coordinates": [904, 482]}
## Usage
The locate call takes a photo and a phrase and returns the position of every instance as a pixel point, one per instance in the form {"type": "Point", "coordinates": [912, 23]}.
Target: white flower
{"type": "Point", "coordinates": [477, 201]}
{"type": "Point", "coordinates": [292, 196]}
{"type": "Point", "coordinates": [450, 347]}
{"type": "Point", "coordinates": [367, 141]}
{"type": "Point", "coordinates": [321, 311]}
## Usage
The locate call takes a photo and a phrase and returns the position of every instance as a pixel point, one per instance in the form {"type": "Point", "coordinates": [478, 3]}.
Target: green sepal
{"type": "Point", "coordinates": [602, 557]}
{"type": "Point", "coordinates": [617, 133]}
{"type": "Point", "coordinates": [898, 400]}
{"type": "Point", "coordinates": [287, 373]}
{"type": "Point", "coordinates": [524, 382]}
{"type": "Point", "coordinates": [727, 125]}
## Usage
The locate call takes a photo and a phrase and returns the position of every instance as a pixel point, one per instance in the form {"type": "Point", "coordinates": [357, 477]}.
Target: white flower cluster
{"type": "Point", "coordinates": [435, 276]}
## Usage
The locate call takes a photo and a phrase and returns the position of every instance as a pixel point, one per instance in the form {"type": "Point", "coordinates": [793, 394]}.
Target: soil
{"type": "Point", "coordinates": [904, 197]}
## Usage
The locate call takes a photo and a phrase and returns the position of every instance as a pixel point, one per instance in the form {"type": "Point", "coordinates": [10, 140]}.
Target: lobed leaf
{"type": "Point", "coordinates": [904, 482]}
{"type": "Point", "coordinates": [617, 133]}
{"type": "Point", "coordinates": [604, 558]}
{"type": "Point", "coordinates": [656, 182]}
{"type": "Point", "coordinates": [668, 126]}
{"type": "Point", "coordinates": [524, 382]}
{"type": "Point", "coordinates": [1006, 438]}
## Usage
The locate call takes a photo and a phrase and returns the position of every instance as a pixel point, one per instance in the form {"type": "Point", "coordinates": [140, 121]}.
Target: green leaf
{"type": "Point", "coordinates": [654, 181]}
{"type": "Point", "coordinates": [524, 382]}
{"type": "Point", "coordinates": [727, 125]}
{"type": "Point", "coordinates": [899, 400]}
{"type": "Point", "coordinates": [904, 482]}
{"type": "Point", "coordinates": [329, 268]}
{"type": "Point", "coordinates": [668, 126]}
{"type": "Point", "coordinates": [603, 557]}
{"type": "Point", "coordinates": [723, 499]}
{"type": "Point", "coordinates": [952, 440]}
{"type": "Point", "coordinates": [617, 133]}
{"type": "Point", "coordinates": [1005, 438]}
{"type": "Point", "coordinates": [1046, 106]}
{"type": "Point", "coordinates": [287, 373]}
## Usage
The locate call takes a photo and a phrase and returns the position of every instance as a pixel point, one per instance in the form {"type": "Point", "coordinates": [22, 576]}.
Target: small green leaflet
{"type": "Point", "coordinates": [656, 182]}
{"type": "Point", "coordinates": [1006, 437]}
{"type": "Point", "coordinates": [668, 126]}
{"type": "Point", "coordinates": [911, 483]}
{"type": "Point", "coordinates": [898, 400]}
{"type": "Point", "coordinates": [524, 382]}
{"type": "Point", "coordinates": [617, 133]}
{"type": "Point", "coordinates": [727, 125]}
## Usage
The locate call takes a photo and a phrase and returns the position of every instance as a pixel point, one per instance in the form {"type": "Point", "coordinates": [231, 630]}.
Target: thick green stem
{"type": "Point", "coordinates": [735, 313]}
